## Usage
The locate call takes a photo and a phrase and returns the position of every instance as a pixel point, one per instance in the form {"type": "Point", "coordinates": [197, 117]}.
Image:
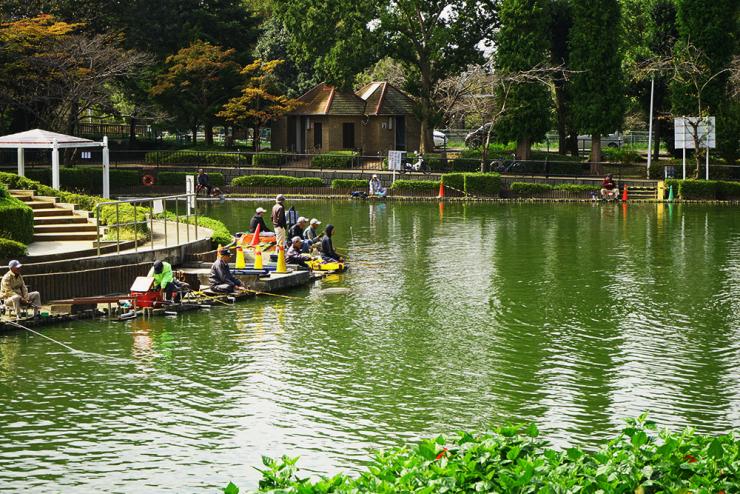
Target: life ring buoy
{"type": "Point", "coordinates": [147, 180]}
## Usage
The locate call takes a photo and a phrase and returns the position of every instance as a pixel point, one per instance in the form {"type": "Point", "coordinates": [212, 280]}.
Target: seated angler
{"type": "Point", "coordinates": [259, 220]}
{"type": "Point", "coordinates": [327, 247]}
{"type": "Point", "coordinates": [164, 281]}
{"type": "Point", "coordinates": [298, 229]}
{"type": "Point", "coordinates": [294, 254]}
{"type": "Point", "coordinates": [221, 279]}
{"type": "Point", "coordinates": [14, 292]}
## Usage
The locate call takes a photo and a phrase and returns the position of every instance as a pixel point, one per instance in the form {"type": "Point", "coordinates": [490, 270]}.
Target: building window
{"type": "Point", "coordinates": [318, 137]}
{"type": "Point", "coordinates": [348, 135]}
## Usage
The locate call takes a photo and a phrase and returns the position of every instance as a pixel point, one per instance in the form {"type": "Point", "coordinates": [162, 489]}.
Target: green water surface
{"type": "Point", "coordinates": [454, 317]}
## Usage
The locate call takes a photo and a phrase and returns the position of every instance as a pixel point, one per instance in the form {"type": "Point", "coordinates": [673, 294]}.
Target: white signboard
{"type": "Point", "coordinates": [86, 155]}
{"type": "Point", "coordinates": [190, 189]}
{"type": "Point", "coordinates": [685, 129]}
{"type": "Point", "coordinates": [394, 160]}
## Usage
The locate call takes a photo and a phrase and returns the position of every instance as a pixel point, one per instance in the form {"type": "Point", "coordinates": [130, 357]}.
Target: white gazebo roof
{"type": "Point", "coordinates": [38, 138]}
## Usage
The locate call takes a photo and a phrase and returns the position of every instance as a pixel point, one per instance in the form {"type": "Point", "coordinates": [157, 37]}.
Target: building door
{"type": "Point", "coordinates": [291, 142]}
{"type": "Point", "coordinates": [301, 135]}
{"type": "Point", "coordinates": [401, 133]}
{"type": "Point", "coordinates": [348, 136]}
{"type": "Point", "coordinates": [318, 137]}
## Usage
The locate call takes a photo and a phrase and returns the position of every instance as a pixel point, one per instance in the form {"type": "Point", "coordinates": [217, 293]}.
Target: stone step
{"type": "Point", "coordinates": [21, 192]}
{"type": "Point", "coordinates": [74, 228]}
{"type": "Point", "coordinates": [39, 204]}
{"type": "Point", "coordinates": [55, 237]}
{"type": "Point", "coordinates": [46, 213]}
{"type": "Point", "coordinates": [59, 220]}
{"type": "Point", "coordinates": [24, 198]}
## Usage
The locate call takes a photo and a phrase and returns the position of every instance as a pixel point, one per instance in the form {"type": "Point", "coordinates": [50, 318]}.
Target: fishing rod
{"type": "Point", "coordinates": [273, 294]}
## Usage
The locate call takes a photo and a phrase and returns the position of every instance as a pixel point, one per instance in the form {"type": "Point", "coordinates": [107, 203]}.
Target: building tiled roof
{"type": "Point", "coordinates": [383, 98]}
{"type": "Point", "coordinates": [328, 100]}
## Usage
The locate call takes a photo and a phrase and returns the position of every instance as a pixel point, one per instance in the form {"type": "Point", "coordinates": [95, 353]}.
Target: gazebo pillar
{"type": "Point", "coordinates": [55, 164]}
{"type": "Point", "coordinates": [21, 162]}
{"type": "Point", "coordinates": [106, 168]}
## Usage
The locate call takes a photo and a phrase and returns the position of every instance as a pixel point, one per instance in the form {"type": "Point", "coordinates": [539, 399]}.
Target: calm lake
{"type": "Point", "coordinates": [573, 316]}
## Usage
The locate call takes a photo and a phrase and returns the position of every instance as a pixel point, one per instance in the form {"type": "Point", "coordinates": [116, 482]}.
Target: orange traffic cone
{"type": "Point", "coordinates": [624, 193]}
{"type": "Point", "coordinates": [441, 190]}
{"type": "Point", "coordinates": [256, 237]}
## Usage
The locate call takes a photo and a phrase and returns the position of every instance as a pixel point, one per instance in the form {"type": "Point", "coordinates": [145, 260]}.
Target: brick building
{"type": "Point", "coordinates": [376, 119]}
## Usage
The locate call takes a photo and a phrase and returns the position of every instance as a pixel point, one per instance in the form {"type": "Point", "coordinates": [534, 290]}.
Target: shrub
{"type": "Point", "coordinates": [527, 189]}
{"type": "Point", "coordinates": [192, 157]}
{"type": "Point", "coordinates": [269, 160]}
{"type": "Point", "coordinates": [3, 191]}
{"type": "Point", "coordinates": [178, 178]}
{"type": "Point", "coordinates": [17, 220]}
{"type": "Point", "coordinates": [577, 187]}
{"type": "Point", "coordinates": [86, 179]}
{"type": "Point", "coordinates": [415, 185]}
{"type": "Point", "coordinates": [697, 189]}
{"type": "Point", "coordinates": [346, 183]}
{"type": "Point", "coordinates": [133, 222]}
{"type": "Point", "coordinates": [13, 181]}
{"type": "Point", "coordinates": [10, 249]}
{"type": "Point", "coordinates": [333, 159]}
{"type": "Point", "coordinates": [276, 181]}
{"type": "Point", "coordinates": [728, 190]}
{"type": "Point", "coordinates": [221, 234]}
{"type": "Point", "coordinates": [515, 459]}
{"type": "Point", "coordinates": [483, 184]}
{"type": "Point", "coordinates": [625, 155]}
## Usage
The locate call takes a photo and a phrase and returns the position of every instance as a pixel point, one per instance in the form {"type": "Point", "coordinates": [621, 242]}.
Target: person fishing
{"type": "Point", "coordinates": [165, 282]}
{"type": "Point", "coordinates": [298, 229]}
{"type": "Point", "coordinates": [310, 232]}
{"type": "Point", "coordinates": [295, 253]}
{"type": "Point", "coordinates": [327, 247]}
{"type": "Point", "coordinates": [221, 279]}
{"type": "Point", "coordinates": [278, 219]}
{"type": "Point", "coordinates": [259, 220]}
{"type": "Point", "coordinates": [376, 187]}
{"type": "Point", "coordinates": [14, 292]}
{"type": "Point", "coordinates": [609, 188]}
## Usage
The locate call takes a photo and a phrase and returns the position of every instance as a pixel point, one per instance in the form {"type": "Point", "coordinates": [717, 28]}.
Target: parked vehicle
{"type": "Point", "coordinates": [613, 140]}
{"type": "Point", "coordinates": [440, 139]}
{"type": "Point", "coordinates": [415, 163]}
{"type": "Point", "coordinates": [506, 166]}
{"type": "Point", "coordinates": [476, 138]}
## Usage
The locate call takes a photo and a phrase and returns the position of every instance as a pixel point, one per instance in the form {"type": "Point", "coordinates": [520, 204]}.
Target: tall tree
{"type": "Point", "coordinates": [198, 81]}
{"type": "Point", "coordinates": [711, 28]}
{"type": "Point", "coordinates": [433, 40]}
{"type": "Point", "coordinates": [595, 59]}
{"type": "Point", "coordinates": [561, 21]}
{"type": "Point", "coordinates": [521, 44]}
{"type": "Point", "coordinates": [259, 104]}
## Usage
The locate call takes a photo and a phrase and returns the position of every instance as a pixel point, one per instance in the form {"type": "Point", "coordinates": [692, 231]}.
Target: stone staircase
{"type": "Point", "coordinates": [56, 221]}
{"type": "Point", "coordinates": [642, 192]}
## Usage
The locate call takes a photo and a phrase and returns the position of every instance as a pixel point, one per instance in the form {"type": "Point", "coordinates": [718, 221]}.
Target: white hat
{"type": "Point", "coordinates": [296, 239]}
{"type": "Point", "coordinates": [261, 210]}
{"type": "Point", "coordinates": [315, 222]}
{"type": "Point", "coordinates": [375, 176]}
{"type": "Point", "coordinates": [302, 219]}
{"type": "Point", "coordinates": [14, 264]}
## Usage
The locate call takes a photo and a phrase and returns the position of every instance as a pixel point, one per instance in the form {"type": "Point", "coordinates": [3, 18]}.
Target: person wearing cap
{"type": "Point", "coordinates": [327, 247]}
{"type": "Point", "coordinates": [164, 281]}
{"type": "Point", "coordinates": [295, 252]}
{"type": "Point", "coordinates": [278, 219]}
{"type": "Point", "coordinates": [376, 188]}
{"type": "Point", "coordinates": [258, 220]}
{"type": "Point", "coordinates": [14, 292]}
{"type": "Point", "coordinates": [297, 229]}
{"type": "Point", "coordinates": [203, 182]}
{"type": "Point", "coordinates": [221, 279]}
{"type": "Point", "coordinates": [310, 232]}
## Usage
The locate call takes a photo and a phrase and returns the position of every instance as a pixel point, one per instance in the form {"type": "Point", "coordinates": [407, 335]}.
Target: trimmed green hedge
{"type": "Point", "coordinates": [268, 160]}
{"type": "Point", "coordinates": [221, 234]}
{"type": "Point", "coordinates": [178, 178]}
{"type": "Point", "coordinates": [13, 181]}
{"type": "Point", "coordinates": [415, 185]}
{"type": "Point", "coordinates": [347, 183]}
{"type": "Point", "coordinates": [17, 220]}
{"type": "Point", "coordinates": [514, 459]}
{"type": "Point", "coordinates": [276, 181]}
{"type": "Point", "coordinates": [728, 190]}
{"type": "Point", "coordinates": [126, 218]}
{"type": "Point", "coordinates": [3, 191]}
{"type": "Point", "coordinates": [529, 189]}
{"type": "Point", "coordinates": [187, 157]}
{"type": "Point", "coordinates": [10, 249]}
{"type": "Point", "coordinates": [482, 184]}
{"type": "Point", "coordinates": [86, 179]}
{"type": "Point", "coordinates": [692, 189]}
{"type": "Point", "coordinates": [333, 159]}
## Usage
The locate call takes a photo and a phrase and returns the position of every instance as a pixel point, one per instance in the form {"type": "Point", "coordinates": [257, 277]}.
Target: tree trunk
{"type": "Point", "coordinates": [426, 140]}
{"type": "Point", "coordinates": [195, 135]}
{"type": "Point", "coordinates": [209, 134]}
{"type": "Point", "coordinates": [132, 131]}
{"type": "Point", "coordinates": [562, 131]}
{"type": "Point", "coordinates": [524, 149]}
{"type": "Point", "coordinates": [571, 144]}
{"type": "Point", "coordinates": [596, 168]}
{"type": "Point", "coordinates": [256, 138]}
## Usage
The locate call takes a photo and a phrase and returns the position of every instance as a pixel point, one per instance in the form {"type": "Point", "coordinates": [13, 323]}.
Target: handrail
{"type": "Point", "coordinates": [148, 202]}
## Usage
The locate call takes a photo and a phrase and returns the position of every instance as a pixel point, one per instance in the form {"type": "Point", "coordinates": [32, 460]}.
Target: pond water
{"type": "Point", "coordinates": [456, 317]}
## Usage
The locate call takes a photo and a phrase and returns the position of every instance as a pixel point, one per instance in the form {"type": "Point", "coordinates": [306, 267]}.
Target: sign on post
{"type": "Point", "coordinates": [395, 162]}
{"type": "Point", "coordinates": [695, 133]}
{"type": "Point", "coordinates": [190, 190]}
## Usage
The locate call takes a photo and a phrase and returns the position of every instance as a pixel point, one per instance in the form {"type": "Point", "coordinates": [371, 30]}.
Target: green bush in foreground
{"type": "Point", "coordinates": [333, 159]}
{"type": "Point", "coordinates": [530, 189]}
{"type": "Point", "coordinates": [16, 220]}
{"type": "Point", "coordinates": [513, 459]}
{"type": "Point", "coordinates": [478, 184]}
{"type": "Point", "coordinates": [415, 185]}
{"type": "Point", "coordinates": [221, 234]}
{"type": "Point", "coordinates": [276, 181]}
{"type": "Point", "coordinates": [348, 183]}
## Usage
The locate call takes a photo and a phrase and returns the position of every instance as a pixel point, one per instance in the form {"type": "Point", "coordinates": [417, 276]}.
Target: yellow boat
{"type": "Point", "coordinates": [319, 265]}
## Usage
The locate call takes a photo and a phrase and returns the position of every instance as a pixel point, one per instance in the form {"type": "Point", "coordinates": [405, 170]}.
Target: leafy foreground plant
{"type": "Point", "coordinates": [640, 460]}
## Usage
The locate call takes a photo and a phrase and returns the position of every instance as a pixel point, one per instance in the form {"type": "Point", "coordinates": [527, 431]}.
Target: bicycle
{"type": "Point", "coordinates": [418, 166]}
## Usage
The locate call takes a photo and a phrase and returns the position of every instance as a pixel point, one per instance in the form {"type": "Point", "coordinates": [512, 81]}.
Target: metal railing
{"type": "Point", "coordinates": [147, 205]}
